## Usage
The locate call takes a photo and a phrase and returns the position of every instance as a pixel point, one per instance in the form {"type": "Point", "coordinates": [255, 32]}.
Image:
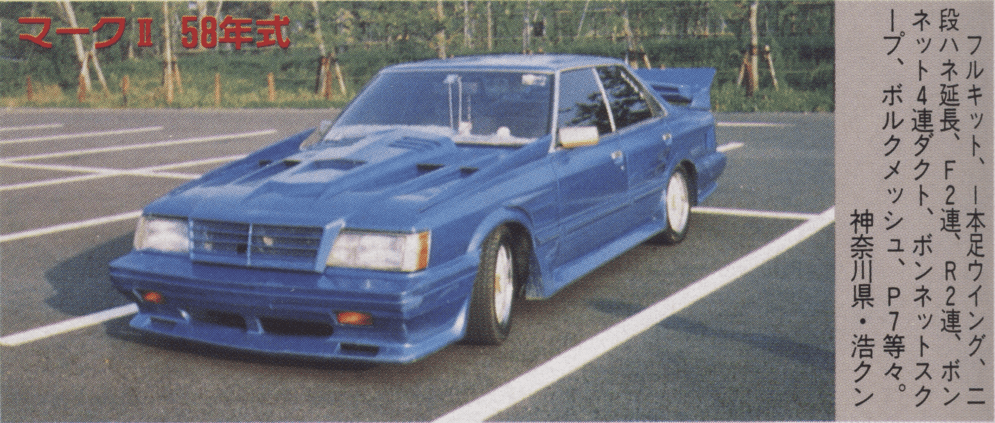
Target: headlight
{"type": "Point", "coordinates": [380, 250]}
{"type": "Point", "coordinates": [168, 234]}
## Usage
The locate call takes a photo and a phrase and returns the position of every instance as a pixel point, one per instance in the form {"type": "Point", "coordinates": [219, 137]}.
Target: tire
{"type": "Point", "coordinates": [494, 289]}
{"type": "Point", "coordinates": [676, 203]}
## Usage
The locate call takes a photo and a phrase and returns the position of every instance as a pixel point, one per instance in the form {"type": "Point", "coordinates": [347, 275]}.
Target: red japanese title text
{"type": "Point", "coordinates": [205, 32]}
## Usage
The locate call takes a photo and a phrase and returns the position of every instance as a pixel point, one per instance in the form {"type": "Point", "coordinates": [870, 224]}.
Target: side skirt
{"type": "Point", "coordinates": [583, 265]}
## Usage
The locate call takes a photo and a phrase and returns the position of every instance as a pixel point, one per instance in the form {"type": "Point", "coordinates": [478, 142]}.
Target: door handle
{"type": "Point", "coordinates": [618, 157]}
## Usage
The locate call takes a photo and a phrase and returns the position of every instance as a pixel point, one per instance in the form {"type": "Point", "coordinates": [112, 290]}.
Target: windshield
{"type": "Point", "coordinates": [496, 108]}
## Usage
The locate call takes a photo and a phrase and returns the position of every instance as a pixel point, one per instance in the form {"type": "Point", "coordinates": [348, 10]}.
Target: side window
{"type": "Point", "coordinates": [628, 104]}
{"type": "Point", "coordinates": [581, 103]}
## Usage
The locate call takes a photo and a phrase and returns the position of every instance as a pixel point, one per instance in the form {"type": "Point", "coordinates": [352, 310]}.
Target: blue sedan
{"type": "Point", "coordinates": [443, 195]}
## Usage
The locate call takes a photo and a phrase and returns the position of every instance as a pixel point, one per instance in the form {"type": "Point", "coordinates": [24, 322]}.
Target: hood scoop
{"type": "Point", "coordinates": [417, 144]}
{"type": "Point", "coordinates": [288, 163]}
{"type": "Point", "coordinates": [268, 169]}
{"type": "Point", "coordinates": [337, 164]}
{"type": "Point", "coordinates": [424, 168]}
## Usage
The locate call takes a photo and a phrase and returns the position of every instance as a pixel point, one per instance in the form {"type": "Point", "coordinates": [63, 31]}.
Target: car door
{"type": "Point", "coordinates": [593, 184]}
{"type": "Point", "coordinates": [644, 139]}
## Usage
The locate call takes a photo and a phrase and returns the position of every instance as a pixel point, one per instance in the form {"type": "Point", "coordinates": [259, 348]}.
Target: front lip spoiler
{"type": "Point", "coordinates": [334, 347]}
{"type": "Point", "coordinates": [416, 315]}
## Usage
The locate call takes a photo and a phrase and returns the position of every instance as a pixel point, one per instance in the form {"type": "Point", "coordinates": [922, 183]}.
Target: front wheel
{"type": "Point", "coordinates": [493, 290]}
{"type": "Point", "coordinates": [677, 206]}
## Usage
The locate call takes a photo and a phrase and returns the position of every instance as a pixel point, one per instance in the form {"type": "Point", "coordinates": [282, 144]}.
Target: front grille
{"type": "Point", "coordinates": [219, 318]}
{"type": "Point", "coordinates": [291, 327]}
{"type": "Point", "coordinates": [255, 245]}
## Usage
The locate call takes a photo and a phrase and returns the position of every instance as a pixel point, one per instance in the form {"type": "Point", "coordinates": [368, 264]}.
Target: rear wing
{"type": "Point", "coordinates": [682, 86]}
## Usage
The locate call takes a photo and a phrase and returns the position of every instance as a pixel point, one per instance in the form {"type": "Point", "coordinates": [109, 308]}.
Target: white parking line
{"type": "Point", "coordinates": [755, 124]}
{"type": "Point", "coordinates": [31, 127]}
{"type": "Point", "coordinates": [80, 135]}
{"type": "Point", "coordinates": [91, 169]}
{"type": "Point", "coordinates": [92, 176]}
{"type": "Point", "coordinates": [754, 213]}
{"type": "Point", "coordinates": [573, 359]}
{"type": "Point", "coordinates": [139, 146]}
{"type": "Point", "coordinates": [728, 146]}
{"type": "Point", "coordinates": [70, 226]}
{"type": "Point", "coordinates": [100, 172]}
{"type": "Point", "coordinates": [70, 325]}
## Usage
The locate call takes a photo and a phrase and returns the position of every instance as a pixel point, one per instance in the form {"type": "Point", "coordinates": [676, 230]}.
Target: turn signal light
{"type": "Point", "coordinates": [354, 318]}
{"type": "Point", "coordinates": [153, 297]}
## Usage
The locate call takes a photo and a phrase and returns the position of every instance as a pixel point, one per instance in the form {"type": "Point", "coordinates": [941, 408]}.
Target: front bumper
{"type": "Point", "coordinates": [286, 312]}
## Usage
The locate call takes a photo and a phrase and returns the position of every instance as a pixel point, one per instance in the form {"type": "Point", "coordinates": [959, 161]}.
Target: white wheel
{"type": "Point", "coordinates": [493, 296]}
{"type": "Point", "coordinates": [677, 206]}
{"type": "Point", "coordinates": [504, 284]}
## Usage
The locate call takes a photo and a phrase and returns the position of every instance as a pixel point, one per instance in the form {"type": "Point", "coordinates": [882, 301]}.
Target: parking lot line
{"type": "Point", "coordinates": [191, 163]}
{"type": "Point", "coordinates": [80, 135]}
{"type": "Point", "coordinates": [755, 124]}
{"type": "Point", "coordinates": [92, 169]}
{"type": "Point", "coordinates": [753, 213]}
{"type": "Point", "coordinates": [140, 146]}
{"type": "Point", "coordinates": [70, 226]}
{"type": "Point", "coordinates": [69, 325]}
{"type": "Point", "coordinates": [728, 146]}
{"type": "Point", "coordinates": [31, 127]}
{"type": "Point", "coordinates": [573, 359]}
{"type": "Point", "coordinates": [96, 175]}
{"type": "Point", "coordinates": [158, 171]}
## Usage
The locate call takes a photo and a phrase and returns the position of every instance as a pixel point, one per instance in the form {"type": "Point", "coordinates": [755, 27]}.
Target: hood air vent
{"type": "Point", "coordinates": [419, 144]}
{"type": "Point", "coordinates": [286, 163]}
{"type": "Point", "coordinates": [424, 168]}
{"type": "Point", "coordinates": [337, 164]}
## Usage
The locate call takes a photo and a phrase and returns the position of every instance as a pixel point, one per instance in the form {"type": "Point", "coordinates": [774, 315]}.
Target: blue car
{"type": "Point", "coordinates": [445, 193]}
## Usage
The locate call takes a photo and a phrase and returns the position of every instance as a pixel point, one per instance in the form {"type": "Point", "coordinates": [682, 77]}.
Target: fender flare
{"type": "Point", "coordinates": [521, 222]}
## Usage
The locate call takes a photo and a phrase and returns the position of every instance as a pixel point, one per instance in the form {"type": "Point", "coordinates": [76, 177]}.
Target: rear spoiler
{"type": "Point", "coordinates": [682, 86]}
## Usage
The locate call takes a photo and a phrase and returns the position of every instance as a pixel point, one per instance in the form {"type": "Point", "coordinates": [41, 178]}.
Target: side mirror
{"type": "Point", "coordinates": [578, 136]}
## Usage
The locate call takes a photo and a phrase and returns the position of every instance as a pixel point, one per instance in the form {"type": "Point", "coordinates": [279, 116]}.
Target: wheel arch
{"type": "Point", "coordinates": [519, 224]}
{"type": "Point", "coordinates": [692, 172]}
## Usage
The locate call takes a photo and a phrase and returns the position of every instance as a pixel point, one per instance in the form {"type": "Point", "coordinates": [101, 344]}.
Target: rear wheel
{"type": "Point", "coordinates": [493, 290]}
{"type": "Point", "coordinates": [677, 207]}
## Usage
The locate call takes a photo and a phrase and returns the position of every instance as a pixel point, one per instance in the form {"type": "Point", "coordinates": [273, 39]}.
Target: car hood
{"type": "Point", "coordinates": [379, 180]}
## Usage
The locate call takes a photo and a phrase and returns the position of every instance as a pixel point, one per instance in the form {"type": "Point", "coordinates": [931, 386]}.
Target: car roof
{"type": "Point", "coordinates": [525, 62]}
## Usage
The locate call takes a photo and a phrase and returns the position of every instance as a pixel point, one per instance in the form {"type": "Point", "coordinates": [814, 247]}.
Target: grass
{"type": "Point", "coordinates": [731, 98]}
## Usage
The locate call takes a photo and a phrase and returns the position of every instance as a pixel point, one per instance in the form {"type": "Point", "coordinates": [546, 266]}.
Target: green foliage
{"type": "Point", "coordinates": [730, 98]}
